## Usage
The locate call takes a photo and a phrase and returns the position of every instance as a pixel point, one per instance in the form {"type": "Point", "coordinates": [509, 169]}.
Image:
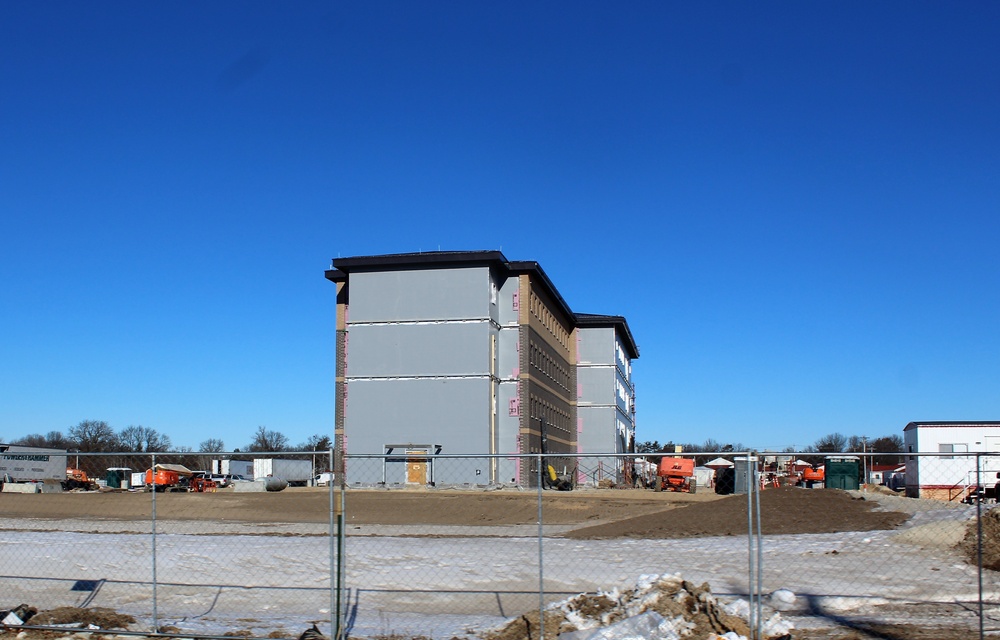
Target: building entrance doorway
{"type": "Point", "coordinates": [416, 466]}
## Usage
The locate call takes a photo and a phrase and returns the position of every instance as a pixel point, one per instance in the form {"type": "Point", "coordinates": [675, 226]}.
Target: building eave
{"type": "Point", "coordinates": [618, 323]}
{"type": "Point", "coordinates": [423, 260]}
{"type": "Point", "coordinates": [950, 424]}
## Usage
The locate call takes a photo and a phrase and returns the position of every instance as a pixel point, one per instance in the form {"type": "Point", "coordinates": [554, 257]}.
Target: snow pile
{"type": "Point", "coordinates": [659, 607]}
{"type": "Point", "coordinates": [782, 600]}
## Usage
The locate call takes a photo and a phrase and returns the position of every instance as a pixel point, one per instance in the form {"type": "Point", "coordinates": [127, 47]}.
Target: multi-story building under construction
{"type": "Point", "coordinates": [456, 352]}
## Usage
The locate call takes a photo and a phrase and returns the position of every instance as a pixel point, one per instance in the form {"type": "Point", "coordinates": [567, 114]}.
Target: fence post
{"type": "Point", "coordinates": [541, 564]}
{"type": "Point", "coordinates": [979, 537]}
{"type": "Point", "coordinates": [760, 555]}
{"type": "Point", "coordinates": [338, 516]}
{"type": "Point", "coordinates": [334, 599]}
{"type": "Point", "coordinates": [755, 558]}
{"type": "Point", "coordinates": [750, 555]}
{"type": "Point", "coordinates": [152, 468]}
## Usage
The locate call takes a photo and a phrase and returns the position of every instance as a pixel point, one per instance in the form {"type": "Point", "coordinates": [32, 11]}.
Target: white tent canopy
{"type": "Point", "coordinates": [718, 463]}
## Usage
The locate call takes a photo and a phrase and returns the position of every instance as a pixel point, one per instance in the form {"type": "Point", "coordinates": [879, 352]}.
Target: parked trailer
{"type": "Point", "coordinates": [297, 473]}
{"type": "Point", "coordinates": [233, 468]}
{"type": "Point", "coordinates": [20, 464]}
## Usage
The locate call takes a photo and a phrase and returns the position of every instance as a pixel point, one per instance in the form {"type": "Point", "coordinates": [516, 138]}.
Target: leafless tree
{"type": "Point", "coordinates": [317, 442]}
{"type": "Point", "coordinates": [268, 440]}
{"type": "Point", "coordinates": [832, 443]}
{"type": "Point", "coordinates": [31, 440]}
{"type": "Point", "coordinates": [887, 445]}
{"type": "Point", "coordinates": [140, 439]}
{"type": "Point", "coordinates": [94, 435]}
{"type": "Point", "coordinates": [212, 445]}
{"type": "Point", "coordinates": [51, 440]}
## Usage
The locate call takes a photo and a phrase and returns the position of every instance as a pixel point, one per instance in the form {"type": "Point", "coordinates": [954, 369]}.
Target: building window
{"type": "Point", "coordinates": [952, 448]}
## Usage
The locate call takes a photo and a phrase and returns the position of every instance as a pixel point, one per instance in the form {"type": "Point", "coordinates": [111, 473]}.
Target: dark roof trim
{"type": "Point", "coordinates": [533, 268]}
{"type": "Point", "coordinates": [335, 275]}
{"type": "Point", "coordinates": [422, 259]}
{"type": "Point", "coordinates": [618, 323]}
{"type": "Point", "coordinates": [980, 423]}
{"type": "Point", "coordinates": [341, 267]}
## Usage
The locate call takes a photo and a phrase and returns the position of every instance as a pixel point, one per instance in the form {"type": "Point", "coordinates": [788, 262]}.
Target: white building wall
{"type": "Point", "coordinates": [955, 469]}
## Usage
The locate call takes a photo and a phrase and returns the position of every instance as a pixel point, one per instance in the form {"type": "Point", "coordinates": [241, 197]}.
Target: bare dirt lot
{"type": "Point", "coordinates": [602, 514]}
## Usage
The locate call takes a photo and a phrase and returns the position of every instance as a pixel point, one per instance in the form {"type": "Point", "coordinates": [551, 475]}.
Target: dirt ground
{"type": "Point", "coordinates": [601, 514]}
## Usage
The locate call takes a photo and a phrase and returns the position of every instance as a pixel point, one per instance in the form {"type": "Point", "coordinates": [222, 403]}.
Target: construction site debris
{"type": "Point", "coordinates": [18, 615]}
{"type": "Point", "coordinates": [658, 608]}
{"type": "Point", "coordinates": [76, 617]}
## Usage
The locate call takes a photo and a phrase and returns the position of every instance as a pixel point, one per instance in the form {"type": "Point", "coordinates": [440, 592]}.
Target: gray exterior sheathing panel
{"type": "Point", "coordinates": [599, 435]}
{"type": "Point", "coordinates": [419, 349]}
{"type": "Point", "coordinates": [599, 432]}
{"type": "Point", "coordinates": [430, 294]}
{"type": "Point", "coordinates": [508, 356]}
{"type": "Point", "coordinates": [505, 305]}
{"type": "Point", "coordinates": [596, 385]}
{"type": "Point", "coordinates": [596, 346]}
{"type": "Point", "coordinates": [508, 430]}
{"type": "Point", "coordinates": [449, 412]}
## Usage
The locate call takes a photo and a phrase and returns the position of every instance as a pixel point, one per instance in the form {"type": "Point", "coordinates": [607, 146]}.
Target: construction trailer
{"type": "Point", "coordinates": [960, 456]}
{"type": "Point", "coordinates": [233, 468]}
{"type": "Point", "coordinates": [42, 468]}
{"type": "Point", "coordinates": [297, 473]}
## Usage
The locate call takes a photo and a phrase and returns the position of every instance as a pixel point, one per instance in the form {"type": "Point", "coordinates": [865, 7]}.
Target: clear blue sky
{"type": "Point", "coordinates": [795, 205]}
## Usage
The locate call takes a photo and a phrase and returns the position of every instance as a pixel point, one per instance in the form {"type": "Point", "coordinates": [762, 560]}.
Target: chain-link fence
{"type": "Point", "coordinates": [421, 544]}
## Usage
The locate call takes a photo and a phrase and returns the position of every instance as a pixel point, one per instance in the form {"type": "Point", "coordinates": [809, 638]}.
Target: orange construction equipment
{"type": "Point", "coordinates": [168, 477]}
{"type": "Point", "coordinates": [177, 478]}
{"type": "Point", "coordinates": [201, 485]}
{"type": "Point", "coordinates": [78, 479]}
{"type": "Point", "coordinates": [162, 480]}
{"type": "Point", "coordinates": [813, 475]}
{"type": "Point", "coordinates": [675, 474]}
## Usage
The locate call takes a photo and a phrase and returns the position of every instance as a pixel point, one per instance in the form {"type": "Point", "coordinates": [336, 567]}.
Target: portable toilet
{"type": "Point", "coordinates": [725, 481]}
{"type": "Point", "coordinates": [842, 472]}
{"type": "Point", "coordinates": [742, 470]}
{"type": "Point", "coordinates": [118, 478]}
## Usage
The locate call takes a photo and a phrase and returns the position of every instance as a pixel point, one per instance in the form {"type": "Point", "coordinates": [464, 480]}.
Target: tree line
{"type": "Point", "coordinates": [889, 448]}
{"type": "Point", "coordinates": [99, 436]}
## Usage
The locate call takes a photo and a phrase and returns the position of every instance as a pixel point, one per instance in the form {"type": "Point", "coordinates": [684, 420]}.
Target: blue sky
{"type": "Point", "coordinates": [795, 205]}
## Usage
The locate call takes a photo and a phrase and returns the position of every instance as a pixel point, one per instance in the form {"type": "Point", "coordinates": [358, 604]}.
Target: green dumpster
{"type": "Point", "coordinates": [842, 472]}
{"type": "Point", "coordinates": [118, 478]}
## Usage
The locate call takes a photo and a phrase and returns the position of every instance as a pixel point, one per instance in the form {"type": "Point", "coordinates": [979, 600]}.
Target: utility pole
{"type": "Point", "coordinates": [864, 460]}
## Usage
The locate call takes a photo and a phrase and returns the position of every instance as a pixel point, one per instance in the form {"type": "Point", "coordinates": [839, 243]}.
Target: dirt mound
{"type": "Point", "coordinates": [664, 606]}
{"type": "Point", "coordinates": [783, 510]}
{"type": "Point", "coordinates": [991, 540]}
{"type": "Point", "coordinates": [96, 618]}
